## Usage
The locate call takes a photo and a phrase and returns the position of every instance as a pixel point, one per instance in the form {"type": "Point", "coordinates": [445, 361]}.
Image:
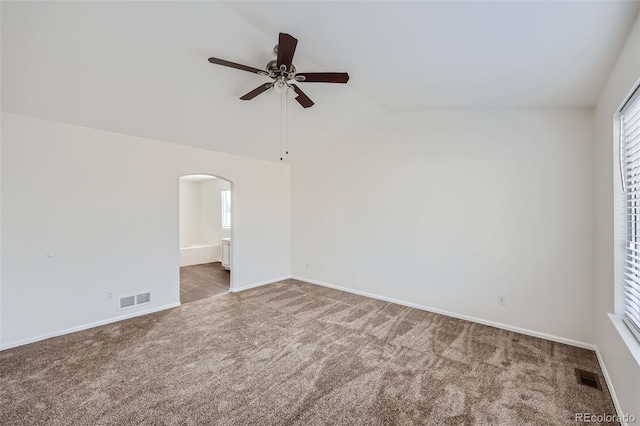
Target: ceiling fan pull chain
{"type": "Point", "coordinates": [286, 112]}
{"type": "Point", "coordinates": [281, 128]}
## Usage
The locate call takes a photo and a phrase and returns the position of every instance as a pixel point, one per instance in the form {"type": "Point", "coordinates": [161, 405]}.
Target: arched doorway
{"type": "Point", "coordinates": [205, 236]}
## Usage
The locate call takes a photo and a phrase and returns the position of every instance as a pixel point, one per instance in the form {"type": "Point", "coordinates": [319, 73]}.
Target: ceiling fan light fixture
{"type": "Point", "coordinates": [280, 87]}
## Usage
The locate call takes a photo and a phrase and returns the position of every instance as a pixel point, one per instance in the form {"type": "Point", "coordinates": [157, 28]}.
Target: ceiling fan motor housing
{"type": "Point", "coordinates": [273, 70]}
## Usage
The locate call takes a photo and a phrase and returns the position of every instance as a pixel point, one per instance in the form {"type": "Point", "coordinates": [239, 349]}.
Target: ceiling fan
{"type": "Point", "coordinates": [282, 71]}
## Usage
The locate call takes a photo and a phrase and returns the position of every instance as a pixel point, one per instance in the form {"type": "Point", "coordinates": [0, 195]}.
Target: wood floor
{"type": "Point", "coordinates": [200, 281]}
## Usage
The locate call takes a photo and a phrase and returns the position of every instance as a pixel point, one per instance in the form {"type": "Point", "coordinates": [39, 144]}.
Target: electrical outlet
{"type": "Point", "coordinates": [501, 300]}
{"type": "Point", "coordinates": [306, 265]}
{"type": "Point", "coordinates": [109, 295]}
{"type": "Point", "coordinates": [322, 268]}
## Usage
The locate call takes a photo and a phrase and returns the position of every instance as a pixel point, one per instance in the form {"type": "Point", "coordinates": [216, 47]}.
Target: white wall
{"type": "Point", "coordinates": [105, 205]}
{"type": "Point", "coordinates": [449, 209]}
{"type": "Point", "coordinates": [623, 369]}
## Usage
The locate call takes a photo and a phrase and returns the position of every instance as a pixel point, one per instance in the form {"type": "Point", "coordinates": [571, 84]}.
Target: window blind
{"type": "Point", "coordinates": [630, 145]}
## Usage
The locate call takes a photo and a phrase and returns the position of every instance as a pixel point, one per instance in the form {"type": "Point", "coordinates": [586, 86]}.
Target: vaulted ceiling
{"type": "Point", "coordinates": [140, 68]}
{"type": "Point", "coordinates": [460, 54]}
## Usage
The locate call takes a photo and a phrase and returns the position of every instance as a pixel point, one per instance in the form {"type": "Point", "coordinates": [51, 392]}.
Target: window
{"type": "Point", "coordinates": [226, 208]}
{"type": "Point", "coordinates": [630, 161]}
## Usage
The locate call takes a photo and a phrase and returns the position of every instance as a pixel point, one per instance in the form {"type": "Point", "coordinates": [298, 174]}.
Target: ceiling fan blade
{"type": "Point", "coordinates": [255, 92]}
{"type": "Point", "coordinates": [237, 66]}
{"type": "Point", "coordinates": [302, 98]}
{"type": "Point", "coordinates": [323, 77]}
{"type": "Point", "coordinates": [286, 48]}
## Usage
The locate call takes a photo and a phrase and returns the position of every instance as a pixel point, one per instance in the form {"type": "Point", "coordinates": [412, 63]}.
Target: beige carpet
{"type": "Point", "coordinates": [296, 353]}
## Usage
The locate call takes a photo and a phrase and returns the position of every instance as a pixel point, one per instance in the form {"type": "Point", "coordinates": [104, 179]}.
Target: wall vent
{"type": "Point", "coordinates": [588, 378]}
{"type": "Point", "coordinates": [132, 300]}
{"type": "Point", "coordinates": [127, 302]}
{"type": "Point", "coordinates": [143, 298]}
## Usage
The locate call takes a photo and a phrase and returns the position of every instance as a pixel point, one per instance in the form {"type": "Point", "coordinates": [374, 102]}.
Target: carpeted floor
{"type": "Point", "coordinates": [296, 353]}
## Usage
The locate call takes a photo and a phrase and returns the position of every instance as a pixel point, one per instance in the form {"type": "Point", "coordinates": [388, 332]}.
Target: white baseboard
{"type": "Point", "coordinates": [612, 392]}
{"type": "Point", "coordinates": [455, 315]}
{"type": "Point", "coordinates": [260, 284]}
{"type": "Point", "coordinates": [348, 290]}
{"type": "Point", "coordinates": [86, 326]}
{"type": "Point", "coordinates": [528, 332]}
{"type": "Point", "coordinates": [120, 318]}
{"type": "Point", "coordinates": [199, 254]}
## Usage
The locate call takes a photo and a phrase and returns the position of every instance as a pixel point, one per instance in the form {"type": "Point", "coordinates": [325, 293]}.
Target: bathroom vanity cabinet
{"type": "Point", "coordinates": [225, 252]}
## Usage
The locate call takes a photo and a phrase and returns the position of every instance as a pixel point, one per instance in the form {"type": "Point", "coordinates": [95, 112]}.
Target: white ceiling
{"type": "Point", "coordinates": [140, 68]}
{"type": "Point", "coordinates": [459, 54]}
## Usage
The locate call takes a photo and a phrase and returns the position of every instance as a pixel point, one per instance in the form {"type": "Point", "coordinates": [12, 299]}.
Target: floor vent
{"type": "Point", "coordinates": [588, 378]}
{"type": "Point", "coordinates": [130, 301]}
